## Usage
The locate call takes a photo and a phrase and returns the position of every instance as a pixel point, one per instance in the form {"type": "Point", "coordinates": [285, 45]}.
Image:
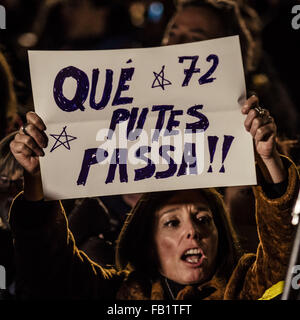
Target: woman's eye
{"type": "Point", "coordinates": [203, 219]}
{"type": "Point", "coordinates": [171, 223]}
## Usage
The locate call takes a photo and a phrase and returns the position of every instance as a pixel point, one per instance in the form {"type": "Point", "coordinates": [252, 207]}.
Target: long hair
{"type": "Point", "coordinates": [8, 106]}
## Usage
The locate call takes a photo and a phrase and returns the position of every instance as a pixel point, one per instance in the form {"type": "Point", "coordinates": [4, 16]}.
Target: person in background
{"type": "Point", "coordinates": [9, 118]}
{"type": "Point", "coordinates": [11, 173]}
{"type": "Point", "coordinates": [11, 183]}
{"type": "Point", "coordinates": [84, 25]}
{"type": "Point", "coordinates": [196, 20]}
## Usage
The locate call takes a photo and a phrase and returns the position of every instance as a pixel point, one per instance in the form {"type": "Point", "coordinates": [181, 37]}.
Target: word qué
{"type": "Point", "coordinates": [85, 88]}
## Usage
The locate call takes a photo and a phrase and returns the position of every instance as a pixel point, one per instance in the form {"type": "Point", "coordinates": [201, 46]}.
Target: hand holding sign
{"type": "Point", "coordinates": [263, 130]}
{"type": "Point", "coordinates": [119, 125]}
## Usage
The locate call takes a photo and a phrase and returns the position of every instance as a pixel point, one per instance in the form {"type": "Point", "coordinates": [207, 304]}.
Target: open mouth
{"type": "Point", "coordinates": [192, 256]}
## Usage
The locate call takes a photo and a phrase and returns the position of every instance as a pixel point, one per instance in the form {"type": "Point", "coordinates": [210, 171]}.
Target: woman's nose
{"type": "Point", "coordinates": [192, 232]}
{"type": "Point", "coordinates": [193, 235]}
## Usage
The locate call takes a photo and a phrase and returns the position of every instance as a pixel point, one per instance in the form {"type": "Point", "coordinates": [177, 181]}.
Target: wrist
{"type": "Point", "coordinates": [273, 168]}
{"type": "Point", "coordinates": [33, 189]}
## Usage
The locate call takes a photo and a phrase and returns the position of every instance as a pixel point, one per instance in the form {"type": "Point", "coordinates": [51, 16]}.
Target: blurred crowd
{"type": "Point", "coordinates": [272, 66]}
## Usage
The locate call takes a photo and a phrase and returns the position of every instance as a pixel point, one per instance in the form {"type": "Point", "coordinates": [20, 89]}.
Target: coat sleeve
{"type": "Point", "coordinates": [276, 235]}
{"type": "Point", "coordinates": [48, 263]}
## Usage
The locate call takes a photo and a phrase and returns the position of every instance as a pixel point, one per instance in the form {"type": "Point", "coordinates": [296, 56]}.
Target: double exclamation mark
{"type": "Point", "coordinates": [212, 145]}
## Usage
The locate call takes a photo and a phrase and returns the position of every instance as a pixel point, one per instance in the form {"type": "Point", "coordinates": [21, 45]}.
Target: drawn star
{"type": "Point", "coordinates": [62, 139]}
{"type": "Point", "coordinates": [160, 80]}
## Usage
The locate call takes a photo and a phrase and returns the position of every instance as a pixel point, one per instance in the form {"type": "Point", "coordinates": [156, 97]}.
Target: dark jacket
{"type": "Point", "coordinates": [50, 265]}
{"type": "Point", "coordinates": [95, 224]}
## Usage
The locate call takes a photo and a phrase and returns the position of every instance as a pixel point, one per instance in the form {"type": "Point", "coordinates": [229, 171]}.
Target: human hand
{"type": "Point", "coordinates": [263, 130]}
{"type": "Point", "coordinates": [261, 126]}
{"type": "Point", "coordinates": [29, 142]}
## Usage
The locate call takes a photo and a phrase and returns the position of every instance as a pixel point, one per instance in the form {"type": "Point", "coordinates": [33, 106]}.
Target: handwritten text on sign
{"type": "Point", "coordinates": [140, 120]}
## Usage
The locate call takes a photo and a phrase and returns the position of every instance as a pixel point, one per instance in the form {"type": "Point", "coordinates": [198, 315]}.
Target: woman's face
{"type": "Point", "coordinates": [194, 24]}
{"type": "Point", "coordinates": [186, 238]}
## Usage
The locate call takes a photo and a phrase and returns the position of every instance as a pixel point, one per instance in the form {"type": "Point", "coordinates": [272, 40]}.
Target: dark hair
{"type": "Point", "coordinates": [135, 242]}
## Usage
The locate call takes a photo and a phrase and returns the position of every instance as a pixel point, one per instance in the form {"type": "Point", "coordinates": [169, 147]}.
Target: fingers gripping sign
{"type": "Point", "coordinates": [29, 142]}
{"type": "Point", "coordinates": [263, 130]}
{"type": "Point", "coordinates": [261, 126]}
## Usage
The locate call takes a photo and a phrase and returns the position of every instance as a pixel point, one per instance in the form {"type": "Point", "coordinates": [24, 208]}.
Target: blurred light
{"type": "Point", "coordinates": [137, 13]}
{"type": "Point", "coordinates": [155, 11]}
{"type": "Point", "coordinates": [28, 40]}
{"type": "Point", "coordinates": [260, 80]}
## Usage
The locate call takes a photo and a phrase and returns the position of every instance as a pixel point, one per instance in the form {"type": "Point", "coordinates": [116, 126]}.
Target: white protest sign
{"type": "Point", "coordinates": [141, 120]}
